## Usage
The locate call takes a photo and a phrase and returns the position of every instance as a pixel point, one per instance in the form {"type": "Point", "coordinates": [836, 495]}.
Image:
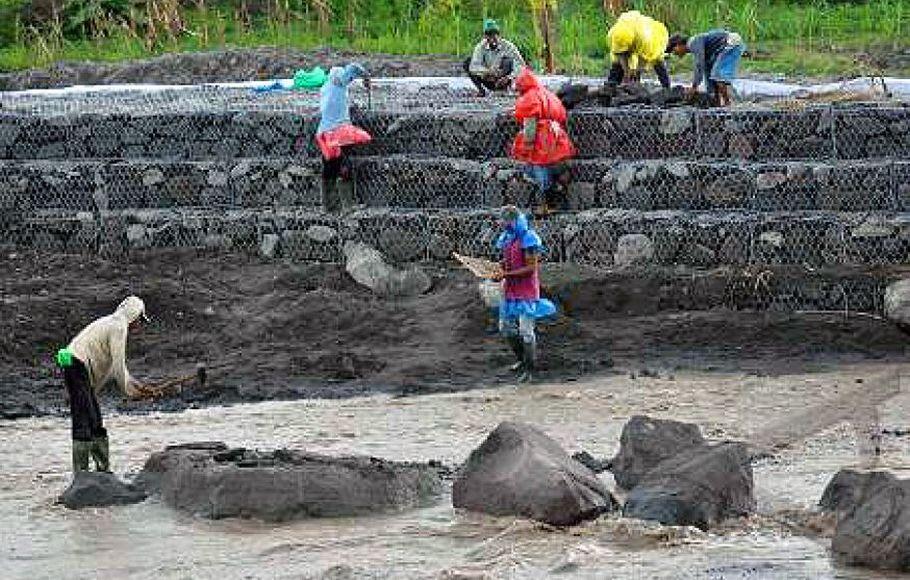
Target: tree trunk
{"type": "Point", "coordinates": [547, 17]}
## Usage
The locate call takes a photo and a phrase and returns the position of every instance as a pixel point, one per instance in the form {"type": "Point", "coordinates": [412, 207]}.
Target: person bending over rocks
{"type": "Point", "coordinates": [336, 133]}
{"type": "Point", "coordinates": [521, 303]}
{"type": "Point", "coordinates": [636, 40]}
{"type": "Point", "coordinates": [543, 143]}
{"type": "Point", "coordinates": [96, 357]}
{"type": "Point", "coordinates": [717, 54]}
{"type": "Point", "coordinates": [495, 61]}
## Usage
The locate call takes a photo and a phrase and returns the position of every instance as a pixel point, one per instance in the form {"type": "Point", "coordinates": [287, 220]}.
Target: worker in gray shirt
{"type": "Point", "coordinates": [495, 62]}
{"type": "Point", "coordinates": [717, 54]}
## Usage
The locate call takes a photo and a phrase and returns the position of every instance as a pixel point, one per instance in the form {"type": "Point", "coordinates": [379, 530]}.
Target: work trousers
{"type": "Point", "coordinates": [87, 423]}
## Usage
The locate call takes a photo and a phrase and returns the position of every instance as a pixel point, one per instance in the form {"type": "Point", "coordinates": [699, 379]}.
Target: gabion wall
{"type": "Point", "coordinates": [817, 133]}
{"type": "Point", "coordinates": [790, 208]}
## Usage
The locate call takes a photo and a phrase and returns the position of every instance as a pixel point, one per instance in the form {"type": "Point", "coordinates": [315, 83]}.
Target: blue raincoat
{"type": "Point", "coordinates": [510, 308]}
{"type": "Point", "coordinates": [333, 103]}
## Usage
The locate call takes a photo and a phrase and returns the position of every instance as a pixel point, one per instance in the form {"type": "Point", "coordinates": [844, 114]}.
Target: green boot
{"type": "Point", "coordinates": [81, 452]}
{"type": "Point", "coordinates": [101, 454]}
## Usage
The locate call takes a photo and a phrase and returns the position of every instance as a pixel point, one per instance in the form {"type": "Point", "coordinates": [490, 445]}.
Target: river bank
{"type": "Point", "coordinates": [275, 331]}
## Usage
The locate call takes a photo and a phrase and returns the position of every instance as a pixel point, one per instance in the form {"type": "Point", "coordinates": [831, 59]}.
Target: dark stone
{"type": "Point", "coordinates": [848, 488]}
{"type": "Point", "coordinates": [700, 487]}
{"type": "Point", "coordinates": [215, 482]}
{"type": "Point", "coordinates": [874, 528]}
{"type": "Point", "coordinates": [591, 462]}
{"type": "Point", "coordinates": [521, 471]}
{"type": "Point", "coordinates": [645, 443]}
{"type": "Point", "coordinates": [99, 489]}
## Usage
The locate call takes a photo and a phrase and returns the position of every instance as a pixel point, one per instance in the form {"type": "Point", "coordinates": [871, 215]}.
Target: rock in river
{"type": "Point", "coordinates": [873, 528]}
{"type": "Point", "coordinates": [214, 481]}
{"type": "Point", "coordinates": [704, 485]}
{"type": "Point", "coordinates": [645, 443]}
{"type": "Point", "coordinates": [519, 470]}
{"type": "Point", "coordinates": [99, 489]}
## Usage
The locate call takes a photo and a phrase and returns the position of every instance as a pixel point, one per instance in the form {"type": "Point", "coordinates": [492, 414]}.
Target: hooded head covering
{"type": "Point", "coordinates": [132, 308]}
{"type": "Point", "coordinates": [526, 80]}
{"type": "Point", "coordinates": [517, 227]}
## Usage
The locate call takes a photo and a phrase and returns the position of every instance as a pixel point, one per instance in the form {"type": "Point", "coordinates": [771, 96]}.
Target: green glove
{"type": "Point", "coordinates": [64, 358]}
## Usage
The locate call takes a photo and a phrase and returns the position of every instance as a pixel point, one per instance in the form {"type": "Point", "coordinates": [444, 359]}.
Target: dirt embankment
{"type": "Point", "coordinates": [224, 66]}
{"type": "Point", "coordinates": [292, 331]}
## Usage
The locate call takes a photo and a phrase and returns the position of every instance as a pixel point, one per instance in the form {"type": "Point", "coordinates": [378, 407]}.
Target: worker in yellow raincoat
{"type": "Point", "coordinates": [636, 41]}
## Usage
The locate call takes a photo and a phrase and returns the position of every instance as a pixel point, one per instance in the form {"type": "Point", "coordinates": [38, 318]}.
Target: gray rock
{"type": "Point", "coordinates": [633, 249]}
{"type": "Point", "coordinates": [321, 234]}
{"type": "Point", "coordinates": [848, 488]}
{"type": "Point", "coordinates": [674, 122]}
{"type": "Point", "coordinates": [520, 471]}
{"type": "Point", "coordinates": [269, 246]}
{"type": "Point", "coordinates": [152, 177]}
{"type": "Point", "coordinates": [368, 267]}
{"type": "Point", "coordinates": [137, 235]}
{"type": "Point", "coordinates": [99, 489]}
{"type": "Point", "coordinates": [700, 487]}
{"type": "Point", "coordinates": [217, 178]}
{"type": "Point", "coordinates": [897, 302]}
{"type": "Point", "coordinates": [645, 443]}
{"type": "Point", "coordinates": [874, 531]}
{"type": "Point", "coordinates": [213, 481]}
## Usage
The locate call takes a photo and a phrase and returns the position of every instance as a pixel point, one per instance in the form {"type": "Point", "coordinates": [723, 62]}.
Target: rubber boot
{"type": "Point", "coordinates": [330, 198]}
{"type": "Point", "coordinates": [345, 189]}
{"type": "Point", "coordinates": [81, 452]}
{"type": "Point", "coordinates": [517, 346]}
{"type": "Point", "coordinates": [101, 454]}
{"type": "Point", "coordinates": [530, 361]}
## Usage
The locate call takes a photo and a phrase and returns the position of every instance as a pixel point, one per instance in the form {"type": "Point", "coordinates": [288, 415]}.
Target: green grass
{"type": "Point", "coordinates": [808, 37]}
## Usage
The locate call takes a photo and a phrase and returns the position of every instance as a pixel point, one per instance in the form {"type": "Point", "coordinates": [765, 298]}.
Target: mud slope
{"type": "Point", "coordinates": [308, 330]}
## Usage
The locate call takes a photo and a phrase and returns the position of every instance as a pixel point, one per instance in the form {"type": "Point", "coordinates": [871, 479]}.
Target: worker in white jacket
{"type": "Point", "coordinates": [95, 358]}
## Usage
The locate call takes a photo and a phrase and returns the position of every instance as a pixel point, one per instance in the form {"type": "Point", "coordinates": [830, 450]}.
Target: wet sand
{"type": "Point", "coordinates": [277, 331]}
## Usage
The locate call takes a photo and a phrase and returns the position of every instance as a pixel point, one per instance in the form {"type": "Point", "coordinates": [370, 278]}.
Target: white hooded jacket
{"type": "Point", "coordinates": [101, 346]}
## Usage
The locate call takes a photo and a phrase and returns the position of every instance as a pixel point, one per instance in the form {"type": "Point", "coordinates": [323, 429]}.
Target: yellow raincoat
{"type": "Point", "coordinates": [639, 36]}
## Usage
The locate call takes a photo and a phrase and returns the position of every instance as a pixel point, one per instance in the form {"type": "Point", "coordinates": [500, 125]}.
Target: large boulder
{"type": "Point", "coordinates": [520, 471]}
{"type": "Point", "coordinates": [99, 489]}
{"type": "Point", "coordinates": [214, 481]}
{"type": "Point", "coordinates": [875, 531]}
{"type": "Point", "coordinates": [367, 266]}
{"type": "Point", "coordinates": [702, 486]}
{"type": "Point", "coordinates": [645, 443]}
{"type": "Point", "coordinates": [848, 487]}
{"type": "Point", "coordinates": [897, 303]}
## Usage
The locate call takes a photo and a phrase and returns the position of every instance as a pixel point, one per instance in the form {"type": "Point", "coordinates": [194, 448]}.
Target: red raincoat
{"type": "Point", "coordinates": [552, 144]}
{"type": "Point", "coordinates": [331, 142]}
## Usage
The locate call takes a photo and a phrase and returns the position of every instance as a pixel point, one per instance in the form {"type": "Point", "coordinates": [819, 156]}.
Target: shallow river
{"type": "Point", "coordinates": [149, 540]}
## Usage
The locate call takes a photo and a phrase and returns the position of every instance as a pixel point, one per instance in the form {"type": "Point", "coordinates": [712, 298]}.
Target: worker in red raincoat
{"type": "Point", "coordinates": [543, 142]}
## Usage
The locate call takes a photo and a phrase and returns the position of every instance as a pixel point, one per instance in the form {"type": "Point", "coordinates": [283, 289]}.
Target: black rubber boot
{"type": "Point", "coordinates": [346, 199]}
{"type": "Point", "coordinates": [81, 452]}
{"type": "Point", "coordinates": [530, 362]}
{"type": "Point", "coordinates": [517, 346]}
{"type": "Point", "coordinates": [330, 198]}
{"type": "Point", "coordinates": [101, 454]}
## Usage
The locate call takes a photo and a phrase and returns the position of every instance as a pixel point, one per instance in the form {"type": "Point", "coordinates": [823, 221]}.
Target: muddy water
{"type": "Point", "coordinates": [41, 540]}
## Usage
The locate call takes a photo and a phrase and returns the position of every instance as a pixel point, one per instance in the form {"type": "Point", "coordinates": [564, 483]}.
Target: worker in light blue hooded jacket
{"type": "Point", "coordinates": [336, 132]}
